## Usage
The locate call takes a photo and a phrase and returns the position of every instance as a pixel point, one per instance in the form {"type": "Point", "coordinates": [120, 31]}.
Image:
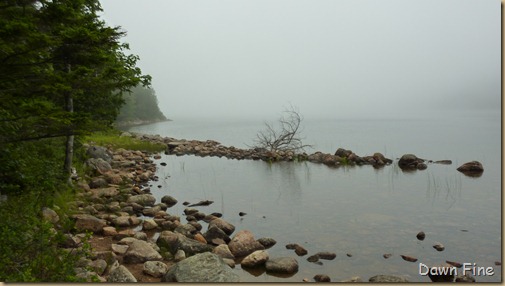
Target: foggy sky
{"type": "Point", "coordinates": [329, 58]}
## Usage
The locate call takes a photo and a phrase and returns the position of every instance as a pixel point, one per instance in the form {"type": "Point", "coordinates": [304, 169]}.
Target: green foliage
{"type": "Point", "coordinates": [29, 249]}
{"type": "Point", "coordinates": [114, 140]}
{"type": "Point", "coordinates": [141, 104]}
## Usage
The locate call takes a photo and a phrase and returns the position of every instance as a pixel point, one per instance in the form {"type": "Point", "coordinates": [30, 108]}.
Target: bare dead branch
{"type": "Point", "coordinates": [286, 138]}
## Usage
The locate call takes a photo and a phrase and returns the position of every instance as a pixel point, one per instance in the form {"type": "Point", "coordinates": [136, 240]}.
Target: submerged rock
{"type": "Point", "coordinates": [387, 279]}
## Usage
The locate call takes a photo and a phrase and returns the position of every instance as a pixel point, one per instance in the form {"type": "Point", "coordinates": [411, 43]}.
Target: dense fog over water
{"type": "Point", "coordinates": [364, 58]}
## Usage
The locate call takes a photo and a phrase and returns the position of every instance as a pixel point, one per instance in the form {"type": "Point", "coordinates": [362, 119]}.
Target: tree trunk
{"type": "Point", "coordinates": [69, 146]}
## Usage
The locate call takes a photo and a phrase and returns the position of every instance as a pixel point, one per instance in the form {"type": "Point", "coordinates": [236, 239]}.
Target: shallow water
{"type": "Point", "coordinates": [361, 211]}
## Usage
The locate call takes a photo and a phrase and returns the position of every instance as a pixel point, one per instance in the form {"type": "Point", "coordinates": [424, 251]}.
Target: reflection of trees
{"type": "Point", "coordinates": [285, 178]}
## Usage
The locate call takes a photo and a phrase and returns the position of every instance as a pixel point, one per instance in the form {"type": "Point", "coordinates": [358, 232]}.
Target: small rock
{"type": "Point", "coordinates": [313, 258]}
{"type": "Point", "coordinates": [466, 278]}
{"type": "Point", "coordinates": [326, 255]}
{"type": "Point", "coordinates": [267, 242]}
{"type": "Point", "coordinates": [409, 258]}
{"type": "Point", "coordinates": [179, 255]}
{"type": "Point", "coordinates": [497, 263]}
{"type": "Point", "coordinates": [349, 255]}
{"type": "Point", "coordinates": [439, 247]}
{"type": "Point", "coordinates": [300, 251]}
{"type": "Point", "coordinates": [121, 274]}
{"type": "Point", "coordinates": [169, 201]}
{"type": "Point", "coordinates": [387, 255]}
{"type": "Point", "coordinates": [473, 168]}
{"type": "Point", "coordinates": [286, 265]}
{"type": "Point", "coordinates": [242, 213]}
{"type": "Point", "coordinates": [255, 259]}
{"type": "Point", "coordinates": [421, 235]}
{"type": "Point", "coordinates": [322, 278]}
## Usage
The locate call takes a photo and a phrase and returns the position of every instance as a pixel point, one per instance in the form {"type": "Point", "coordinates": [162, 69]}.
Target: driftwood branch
{"type": "Point", "coordinates": [286, 137]}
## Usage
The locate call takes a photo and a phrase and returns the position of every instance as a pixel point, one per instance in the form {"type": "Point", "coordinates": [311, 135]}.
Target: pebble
{"type": "Point", "coordinates": [439, 247]}
{"type": "Point", "coordinates": [387, 255]}
{"type": "Point", "coordinates": [409, 258]}
{"type": "Point", "coordinates": [322, 278]}
{"type": "Point", "coordinates": [421, 235]}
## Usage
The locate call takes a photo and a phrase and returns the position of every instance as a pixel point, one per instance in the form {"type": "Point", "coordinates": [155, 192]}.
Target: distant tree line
{"type": "Point", "coordinates": [141, 106]}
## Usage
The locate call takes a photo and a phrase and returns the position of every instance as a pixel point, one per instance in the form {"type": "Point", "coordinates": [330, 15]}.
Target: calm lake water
{"type": "Point", "coordinates": [361, 211]}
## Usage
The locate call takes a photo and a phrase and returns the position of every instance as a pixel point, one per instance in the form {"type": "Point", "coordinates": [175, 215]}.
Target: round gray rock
{"type": "Point", "coordinates": [203, 267]}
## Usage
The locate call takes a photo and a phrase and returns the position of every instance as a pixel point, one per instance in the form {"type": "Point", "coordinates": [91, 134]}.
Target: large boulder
{"type": "Point", "coordinates": [99, 166]}
{"type": "Point", "coordinates": [98, 152]}
{"type": "Point", "coordinates": [203, 268]}
{"type": "Point", "coordinates": [243, 244]}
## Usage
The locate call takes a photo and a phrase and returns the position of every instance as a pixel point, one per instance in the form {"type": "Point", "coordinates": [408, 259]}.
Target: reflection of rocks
{"type": "Point", "coordinates": [472, 169]}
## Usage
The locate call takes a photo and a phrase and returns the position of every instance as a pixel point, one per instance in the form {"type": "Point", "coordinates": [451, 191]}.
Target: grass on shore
{"type": "Point", "coordinates": [114, 140]}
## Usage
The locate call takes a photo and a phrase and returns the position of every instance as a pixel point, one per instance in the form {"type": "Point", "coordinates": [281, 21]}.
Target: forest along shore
{"type": "Point", "coordinates": [135, 238]}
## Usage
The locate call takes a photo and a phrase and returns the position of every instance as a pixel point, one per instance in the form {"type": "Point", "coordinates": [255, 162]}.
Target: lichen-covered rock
{"type": "Point", "coordinates": [85, 222]}
{"type": "Point", "coordinates": [121, 274]}
{"type": "Point", "coordinates": [203, 268]}
{"type": "Point", "coordinates": [140, 251]}
{"type": "Point", "coordinates": [155, 268]}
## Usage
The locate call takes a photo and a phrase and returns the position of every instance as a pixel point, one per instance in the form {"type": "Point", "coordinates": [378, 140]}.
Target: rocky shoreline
{"type": "Point", "coordinates": [136, 239]}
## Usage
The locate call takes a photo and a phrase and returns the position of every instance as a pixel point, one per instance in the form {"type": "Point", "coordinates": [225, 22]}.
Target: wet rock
{"type": "Point", "coordinates": [421, 235]}
{"type": "Point", "coordinates": [422, 166]}
{"type": "Point", "coordinates": [190, 211]}
{"type": "Point", "coordinates": [286, 265]}
{"type": "Point", "coordinates": [300, 251]}
{"type": "Point", "coordinates": [202, 203]}
{"type": "Point", "coordinates": [341, 152]}
{"type": "Point", "coordinates": [121, 274]}
{"type": "Point", "coordinates": [409, 161]}
{"type": "Point", "coordinates": [267, 242]}
{"type": "Point", "coordinates": [387, 279]}
{"type": "Point", "coordinates": [313, 258]}
{"type": "Point", "coordinates": [243, 244]}
{"type": "Point", "coordinates": [322, 278]}
{"type": "Point", "coordinates": [497, 263]}
{"type": "Point", "coordinates": [472, 169]}
{"type": "Point", "coordinates": [349, 255]}
{"type": "Point", "coordinates": [140, 251]}
{"type": "Point", "coordinates": [242, 213]}
{"type": "Point", "coordinates": [387, 255]}
{"type": "Point", "coordinates": [210, 268]}
{"type": "Point", "coordinates": [326, 255]}
{"type": "Point", "coordinates": [409, 258]}
{"type": "Point", "coordinates": [169, 201]}
{"type": "Point", "coordinates": [255, 259]}
{"type": "Point", "coordinates": [443, 162]}
{"type": "Point", "coordinates": [439, 247]}
{"type": "Point", "coordinates": [151, 211]}
{"type": "Point", "coordinates": [225, 226]}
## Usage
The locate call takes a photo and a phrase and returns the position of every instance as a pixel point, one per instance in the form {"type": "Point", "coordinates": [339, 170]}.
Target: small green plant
{"type": "Point", "coordinates": [344, 161]}
{"type": "Point", "coordinates": [114, 140]}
